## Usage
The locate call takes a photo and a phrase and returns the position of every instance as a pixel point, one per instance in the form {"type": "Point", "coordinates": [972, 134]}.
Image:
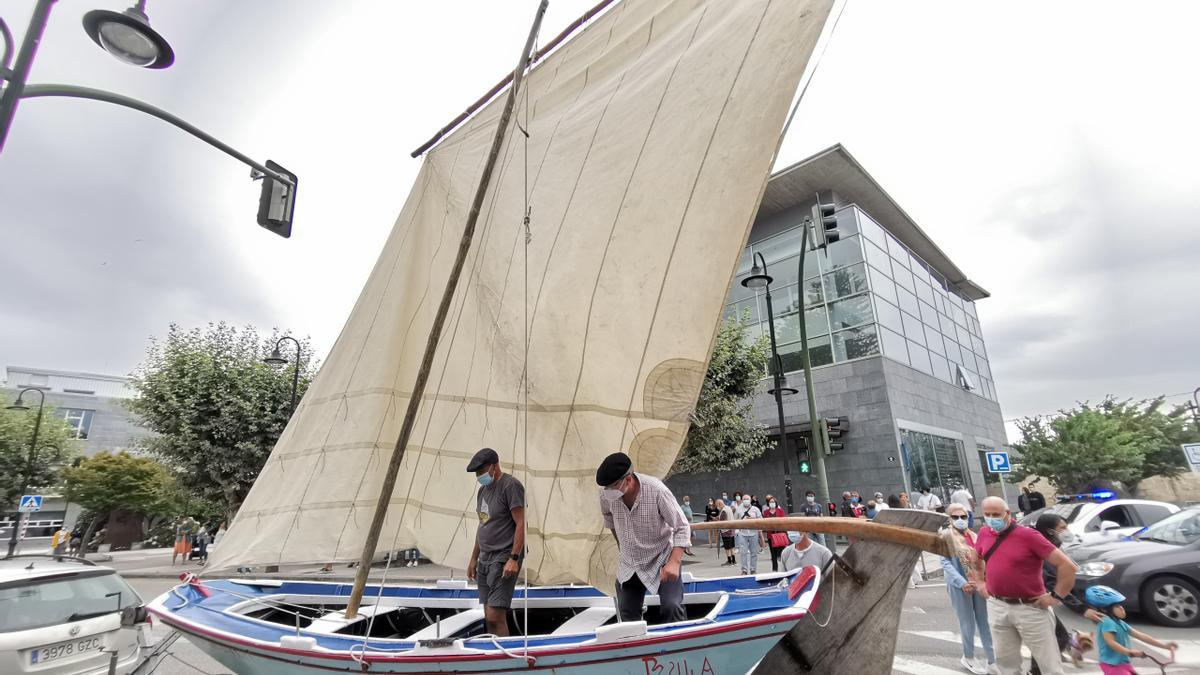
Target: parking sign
{"type": "Point", "coordinates": [998, 462]}
{"type": "Point", "coordinates": [1192, 452]}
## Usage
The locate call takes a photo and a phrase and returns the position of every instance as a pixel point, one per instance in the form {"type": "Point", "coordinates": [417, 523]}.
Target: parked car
{"type": "Point", "coordinates": [1157, 569]}
{"type": "Point", "coordinates": [1091, 522]}
{"type": "Point", "coordinates": [67, 617]}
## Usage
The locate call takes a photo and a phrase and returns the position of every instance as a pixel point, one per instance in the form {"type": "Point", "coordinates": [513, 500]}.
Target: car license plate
{"type": "Point", "coordinates": [64, 650]}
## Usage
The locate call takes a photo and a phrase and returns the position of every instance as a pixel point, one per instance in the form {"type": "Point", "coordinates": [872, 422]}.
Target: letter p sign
{"type": "Point", "coordinates": [998, 462]}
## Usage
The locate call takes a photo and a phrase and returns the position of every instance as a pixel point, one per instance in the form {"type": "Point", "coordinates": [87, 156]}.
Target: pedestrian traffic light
{"type": "Point", "coordinates": [825, 220]}
{"type": "Point", "coordinates": [805, 464]}
{"type": "Point", "coordinates": [835, 428]}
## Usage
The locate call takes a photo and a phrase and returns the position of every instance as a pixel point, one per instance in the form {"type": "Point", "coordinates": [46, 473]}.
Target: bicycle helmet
{"type": "Point", "coordinates": [1103, 596]}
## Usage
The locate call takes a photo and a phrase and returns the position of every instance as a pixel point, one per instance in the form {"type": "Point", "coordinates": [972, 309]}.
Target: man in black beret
{"type": "Point", "coordinates": [500, 539]}
{"type": "Point", "coordinates": [651, 533]}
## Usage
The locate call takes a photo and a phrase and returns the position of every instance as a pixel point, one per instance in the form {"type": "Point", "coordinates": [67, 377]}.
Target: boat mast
{"type": "Point", "coordinates": [435, 332]}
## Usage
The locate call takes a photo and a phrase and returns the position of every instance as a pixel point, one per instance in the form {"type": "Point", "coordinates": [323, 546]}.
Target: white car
{"type": "Point", "coordinates": [67, 618]}
{"type": "Point", "coordinates": [1091, 522]}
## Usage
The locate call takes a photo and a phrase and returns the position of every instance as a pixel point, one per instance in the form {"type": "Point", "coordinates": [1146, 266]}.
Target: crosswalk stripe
{"type": "Point", "coordinates": [917, 668]}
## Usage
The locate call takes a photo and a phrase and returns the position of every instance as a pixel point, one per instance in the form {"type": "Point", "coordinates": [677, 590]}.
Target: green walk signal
{"type": "Point", "coordinates": [805, 468]}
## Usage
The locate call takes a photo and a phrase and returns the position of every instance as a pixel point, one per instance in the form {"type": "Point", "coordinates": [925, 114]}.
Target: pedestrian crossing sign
{"type": "Point", "coordinates": [30, 503]}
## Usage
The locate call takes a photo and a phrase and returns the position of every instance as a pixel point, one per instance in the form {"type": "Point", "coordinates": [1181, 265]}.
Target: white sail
{"type": "Point", "coordinates": [651, 134]}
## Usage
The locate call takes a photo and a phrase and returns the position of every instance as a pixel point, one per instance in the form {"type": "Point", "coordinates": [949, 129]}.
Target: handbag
{"type": "Point", "coordinates": [779, 539]}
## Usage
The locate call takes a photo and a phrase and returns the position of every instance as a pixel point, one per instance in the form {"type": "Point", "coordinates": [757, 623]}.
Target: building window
{"type": "Point", "coordinates": [933, 462]}
{"type": "Point", "coordinates": [80, 422]}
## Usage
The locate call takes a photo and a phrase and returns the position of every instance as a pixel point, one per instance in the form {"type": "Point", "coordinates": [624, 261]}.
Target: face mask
{"type": "Point", "coordinates": [854, 499]}
{"type": "Point", "coordinates": [612, 495]}
{"type": "Point", "coordinates": [746, 502]}
{"type": "Point", "coordinates": [1066, 536]}
{"type": "Point", "coordinates": [770, 505]}
{"type": "Point", "coordinates": [960, 524]}
{"type": "Point", "coordinates": [485, 480]}
{"type": "Point", "coordinates": [810, 499]}
{"type": "Point", "coordinates": [686, 503]}
{"type": "Point", "coordinates": [724, 497]}
{"type": "Point", "coordinates": [996, 524]}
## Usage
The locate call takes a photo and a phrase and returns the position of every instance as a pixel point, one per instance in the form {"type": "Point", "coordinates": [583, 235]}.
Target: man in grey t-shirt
{"type": "Point", "coordinates": [803, 553]}
{"type": "Point", "coordinates": [500, 539]}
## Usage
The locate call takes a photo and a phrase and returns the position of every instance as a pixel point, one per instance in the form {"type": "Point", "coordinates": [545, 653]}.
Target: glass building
{"type": "Point", "coordinates": [895, 341]}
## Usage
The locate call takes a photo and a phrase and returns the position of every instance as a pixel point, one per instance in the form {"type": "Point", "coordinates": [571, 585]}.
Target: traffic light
{"type": "Point", "coordinates": [835, 428]}
{"type": "Point", "coordinates": [825, 220]}
{"type": "Point", "coordinates": [805, 464]}
{"type": "Point", "coordinates": [277, 202]}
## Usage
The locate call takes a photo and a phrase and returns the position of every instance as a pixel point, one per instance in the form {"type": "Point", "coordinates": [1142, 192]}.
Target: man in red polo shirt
{"type": "Point", "coordinates": [1019, 605]}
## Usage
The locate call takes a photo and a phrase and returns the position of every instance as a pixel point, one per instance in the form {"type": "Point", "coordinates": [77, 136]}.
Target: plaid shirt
{"type": "Point", "coordinates": [647, 532]}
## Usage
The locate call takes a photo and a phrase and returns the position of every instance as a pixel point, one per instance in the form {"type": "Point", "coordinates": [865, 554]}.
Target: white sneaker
{"type": "Point", "coordinates": [972, 666]}
{"type": "Point", "coordinates": [992, 669]}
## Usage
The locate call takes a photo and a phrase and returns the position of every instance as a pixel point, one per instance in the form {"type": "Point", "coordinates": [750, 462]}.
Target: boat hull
{"type": "Point", "coordinates": [748, 617]}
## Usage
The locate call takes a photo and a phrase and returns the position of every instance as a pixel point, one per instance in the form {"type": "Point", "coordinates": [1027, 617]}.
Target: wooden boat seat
{"type": "Point", "coordinates": [586, 621]}
{"type": "Point", "coordinates": [449, 626]}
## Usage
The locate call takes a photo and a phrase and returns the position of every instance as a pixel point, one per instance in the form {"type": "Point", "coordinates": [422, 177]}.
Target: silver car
{"type": "Point", "coordinates": [67, 617]}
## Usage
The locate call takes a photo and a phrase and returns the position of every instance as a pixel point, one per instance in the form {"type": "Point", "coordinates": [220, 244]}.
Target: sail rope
{"type": "Point", "coordinates": [526, 212]}
{"type": "Point", "coordinates": [832, 598]}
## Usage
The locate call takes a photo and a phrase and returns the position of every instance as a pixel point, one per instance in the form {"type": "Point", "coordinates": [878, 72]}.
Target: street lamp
{"type": "Point", "coordinates": [37, 426]}
{"type": "Point", "coordinates": [128, 36]}
{"type": "Point", "coordinates": [759, 278]}
{"type": "Point", "coordinates": [276, 359]}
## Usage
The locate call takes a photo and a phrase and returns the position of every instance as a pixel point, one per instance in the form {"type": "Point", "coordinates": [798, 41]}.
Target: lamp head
{"type": "Point", "coordinates": [275, 359]}
{"type": "Point", "coordinates": [758, 277]}
{"type": "Point", "coordinates": [128, 36]}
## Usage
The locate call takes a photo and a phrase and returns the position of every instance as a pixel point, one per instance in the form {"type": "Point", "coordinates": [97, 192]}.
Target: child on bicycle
{"type": "Point", "coordinates": [1113, 635]}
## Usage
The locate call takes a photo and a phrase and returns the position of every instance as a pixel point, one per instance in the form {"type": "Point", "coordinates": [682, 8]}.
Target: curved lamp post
{"type": "Point", "coordinates": [276, 359]}
{"type": "Point", "coordinates": [19, 404]}
{"type": "Point", "coordinates": [759, 278]}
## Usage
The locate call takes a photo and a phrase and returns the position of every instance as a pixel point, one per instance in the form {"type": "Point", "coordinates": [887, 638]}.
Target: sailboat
{"type": "Point", "coordinates": [607, 187]}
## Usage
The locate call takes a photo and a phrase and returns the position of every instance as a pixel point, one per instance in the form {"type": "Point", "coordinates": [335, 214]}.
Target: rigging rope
{"type": "Point", "coordinates": [813, 74]}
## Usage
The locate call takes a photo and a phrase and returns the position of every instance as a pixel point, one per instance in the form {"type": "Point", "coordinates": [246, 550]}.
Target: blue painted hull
{"type": "Point", "coordinates": [748, 617]}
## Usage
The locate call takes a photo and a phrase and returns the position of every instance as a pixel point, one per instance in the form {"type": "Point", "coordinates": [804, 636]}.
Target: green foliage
{"type": "Point", "coordinates": [723, 434]}
{"type": "Point", "coordinates": [54, 447]}
{"type": "Point", "coordinates": [1098, 445]}
{"type": "Point", "coordinates": [216, 407]}
{"type": "Point", "coordinates": [108, 482]}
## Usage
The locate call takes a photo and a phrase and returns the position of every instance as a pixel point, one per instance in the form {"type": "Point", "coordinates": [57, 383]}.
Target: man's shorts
{"type": "Point", "coordinates": [494, 589]}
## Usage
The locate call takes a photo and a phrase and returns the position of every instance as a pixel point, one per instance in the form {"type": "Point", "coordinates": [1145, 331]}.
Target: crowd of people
{"type": "Point", "coordinates": [1004, 585]}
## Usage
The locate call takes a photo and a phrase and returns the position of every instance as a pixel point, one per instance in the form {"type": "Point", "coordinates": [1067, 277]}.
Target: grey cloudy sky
{"type": "Point", "coordinates": [1047, 147]}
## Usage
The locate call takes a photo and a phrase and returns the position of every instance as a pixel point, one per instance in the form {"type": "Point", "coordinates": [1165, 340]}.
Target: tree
{"type": "Point", "coordinates": [16, 433]}
{"type": "Point", "coordinates": [1093, 446]}
{"type": "Point", "coordinates": [106, 483]}
{"type": "Point", "coordinates": [216, 407]}
{"type": "Point", "coordinates": [723, 434]}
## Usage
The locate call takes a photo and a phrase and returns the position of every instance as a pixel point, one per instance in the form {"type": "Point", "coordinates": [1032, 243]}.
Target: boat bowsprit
{"type": "Point", "coordinates": [268, 627]}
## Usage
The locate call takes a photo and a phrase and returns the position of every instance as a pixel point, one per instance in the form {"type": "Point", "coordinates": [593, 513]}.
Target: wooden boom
{"type": "Point", "coordinates": [850, 527]}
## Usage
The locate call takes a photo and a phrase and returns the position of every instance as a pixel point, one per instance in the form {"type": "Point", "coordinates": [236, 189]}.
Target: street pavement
{"type": "Point", "coordinates": [927, 643]}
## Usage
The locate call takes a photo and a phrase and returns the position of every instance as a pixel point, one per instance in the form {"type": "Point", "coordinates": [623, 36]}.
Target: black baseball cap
{"type": "Point", "coordinates": [483, 458]}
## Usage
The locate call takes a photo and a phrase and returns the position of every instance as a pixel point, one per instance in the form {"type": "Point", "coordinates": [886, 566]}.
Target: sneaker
{"type": "Point", "coordinates": [992, 669]}
{"type": "Point", "coordinates": [972, 666]}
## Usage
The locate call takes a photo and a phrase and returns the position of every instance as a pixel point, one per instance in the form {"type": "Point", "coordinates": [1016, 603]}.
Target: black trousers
{"type": "Point", "coordinates": [776, 551]}
{"type": "Point", "coordinates": [631, 594]}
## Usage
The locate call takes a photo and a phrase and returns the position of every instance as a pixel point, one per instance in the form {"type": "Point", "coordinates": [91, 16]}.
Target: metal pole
{"type": "Point", "coordinates": [1003, 488]}
{"type": "Point", "coordinates": [778, 380]}
{"type": "Point", "coordinates": [435, 330]}
{"type": "Point", "coordinates": [20, 72]}
{"type": "Point", "coordinates": [1196, 407]}
{"type": "Point", "coordinates": [815, 430]}
{"type": "Point", "coordinates": [37, 426]}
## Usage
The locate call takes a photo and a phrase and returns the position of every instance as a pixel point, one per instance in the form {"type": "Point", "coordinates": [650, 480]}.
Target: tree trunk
{"type": "Point", "coordinates": [83, 543]}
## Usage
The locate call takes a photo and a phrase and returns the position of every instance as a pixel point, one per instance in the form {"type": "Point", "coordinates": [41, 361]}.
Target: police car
{"type": "Point", "coordinates": [67, 618]}
{"type": "Point", "coordinates": [1099, 516]}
